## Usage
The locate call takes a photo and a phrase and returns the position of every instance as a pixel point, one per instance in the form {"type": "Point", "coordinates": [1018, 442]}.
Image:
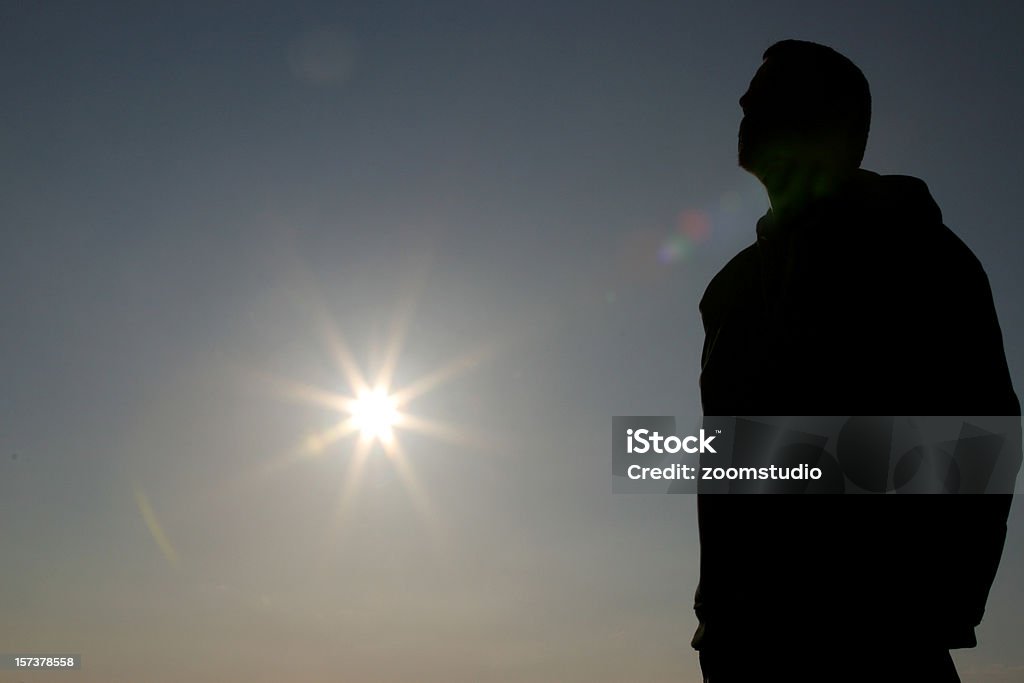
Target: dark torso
{"type": "Point", "coordinates": [868, 306]}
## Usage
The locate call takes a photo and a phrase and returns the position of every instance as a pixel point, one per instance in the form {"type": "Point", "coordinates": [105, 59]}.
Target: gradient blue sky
{"type": "Point", "coordinates": [192, 193]}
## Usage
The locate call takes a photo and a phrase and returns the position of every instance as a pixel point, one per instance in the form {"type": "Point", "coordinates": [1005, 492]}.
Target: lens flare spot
{"type": "Point", "coordinates": [730, 202]}
{"type": "Point", "coordinates": [322, 57]}
{"type": "Point", "coordinates": [675, 249]}
{"type": "Point", "coordinates": [374, 413]}
{"type": "Point", "coordinates": [694, 225]}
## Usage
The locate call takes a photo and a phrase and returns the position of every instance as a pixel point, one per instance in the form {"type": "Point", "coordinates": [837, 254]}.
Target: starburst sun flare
{"type": "Point", "coordinates": [372, 414]}
{"type": "Point", "coordinates": [375, 414]}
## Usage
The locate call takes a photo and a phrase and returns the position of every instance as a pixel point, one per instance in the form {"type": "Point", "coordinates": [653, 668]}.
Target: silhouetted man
{"type": "Point", "coordinates": [855, 300]}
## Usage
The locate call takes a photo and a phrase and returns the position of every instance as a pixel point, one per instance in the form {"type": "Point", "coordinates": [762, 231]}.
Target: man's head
{"type": "Point", "coordinates": [807, 108]}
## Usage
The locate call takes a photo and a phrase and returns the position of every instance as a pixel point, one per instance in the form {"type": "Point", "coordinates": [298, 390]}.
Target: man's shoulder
{"type": "Point", "coordinates": [898, 212]}
{"type": "Point", "coordinates": [735, 278]}
{"type": "Point", "coordinates": [899, 195]}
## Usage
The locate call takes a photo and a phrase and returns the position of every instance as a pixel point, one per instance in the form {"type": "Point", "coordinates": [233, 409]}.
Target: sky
{"type": "Point", "coordinates": [210, 213]}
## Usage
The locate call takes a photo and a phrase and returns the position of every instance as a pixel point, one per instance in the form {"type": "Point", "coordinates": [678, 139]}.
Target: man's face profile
{"type": "Point", "coordinates": [770, 124]}
{"type": "Point", "coordinates": [783, 125]}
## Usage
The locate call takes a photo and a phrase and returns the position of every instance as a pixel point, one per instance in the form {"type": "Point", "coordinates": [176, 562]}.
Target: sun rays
{"type": "Point", "coordinates": [371, 412]}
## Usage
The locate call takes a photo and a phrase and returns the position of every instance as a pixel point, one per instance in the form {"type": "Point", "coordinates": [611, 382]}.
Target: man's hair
{"type": "Point", "coordinates": [836, 91]}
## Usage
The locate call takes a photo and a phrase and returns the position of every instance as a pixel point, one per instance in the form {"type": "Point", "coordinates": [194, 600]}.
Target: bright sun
{"type": "Point", "coordinates": [374, 413]}
{"type": "Point", "coordinates": [375, 410]}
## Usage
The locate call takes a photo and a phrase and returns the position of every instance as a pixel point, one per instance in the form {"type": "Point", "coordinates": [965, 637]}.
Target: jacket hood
{"type": "Point", "coordinates": [900, 197]}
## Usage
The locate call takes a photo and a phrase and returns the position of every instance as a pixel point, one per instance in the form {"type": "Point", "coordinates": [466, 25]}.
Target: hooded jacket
{"type": "Point", "coordinates": [866, 304]}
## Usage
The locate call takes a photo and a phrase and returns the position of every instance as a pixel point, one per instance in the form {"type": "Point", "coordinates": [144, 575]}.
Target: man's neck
{"type": "Point", "coordinates": [793, 191]}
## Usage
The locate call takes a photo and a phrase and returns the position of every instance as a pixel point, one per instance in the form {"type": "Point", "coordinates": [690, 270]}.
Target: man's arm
{"type": "Point", "coordinates": [961, 369]}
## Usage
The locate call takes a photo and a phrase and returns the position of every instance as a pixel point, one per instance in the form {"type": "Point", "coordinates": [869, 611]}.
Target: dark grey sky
{"type": "Point", "coordinates": [189, 191]}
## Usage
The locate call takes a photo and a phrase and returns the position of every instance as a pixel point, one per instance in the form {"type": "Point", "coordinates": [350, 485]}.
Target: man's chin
{"type": "Point", "coordinates": [750, 164]}
{"type": "Point", "coordinates": [764, 165]}
{"type": "Point", "coordinates": [749, 159]}
{"type": "Point", "coordinates": [743, 158]}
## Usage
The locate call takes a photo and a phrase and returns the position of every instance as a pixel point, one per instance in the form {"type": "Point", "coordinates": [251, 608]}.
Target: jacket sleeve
{"type": "Point", "coordinates": [957, 366]}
